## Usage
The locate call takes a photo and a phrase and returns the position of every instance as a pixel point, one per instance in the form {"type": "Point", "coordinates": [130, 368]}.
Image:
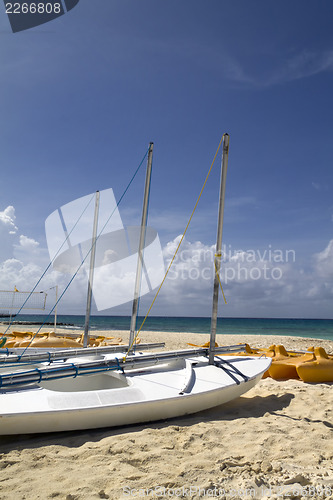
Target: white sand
{"type": "Point", "coordinates": [274, 440]}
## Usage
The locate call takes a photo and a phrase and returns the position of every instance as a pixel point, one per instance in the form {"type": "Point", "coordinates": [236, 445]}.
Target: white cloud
{"type": "Point", "coordinates": [16, 245]}
{"type": "Point", "coordinates": [14, 273]}
{"type": "Point", "coordinates": [324, 262]}
{"type": "Point", "coordinates": [28, 251]}
{"type": "Point", "coordinates": [28, 243]}
{"type": "Point", "coordinates": [7, 219]}
{"type": "Point", "coordinates": [8, 230]}
{"type": "Point", "coordinates": [264, 282]}
{"type": "Point", "coordinates": [22, 261]}
{"type": "Point", "coordinates": [300, 65]}
{"type": "Point", "coordinates": [308, 63]}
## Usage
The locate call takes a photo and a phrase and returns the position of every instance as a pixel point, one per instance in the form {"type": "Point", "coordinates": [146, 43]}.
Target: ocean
{"type": "Point", "coordinates": [308, 328]}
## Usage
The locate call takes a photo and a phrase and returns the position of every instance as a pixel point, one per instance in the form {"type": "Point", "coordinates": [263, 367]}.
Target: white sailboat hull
{"type": "Point", "coordinates": [111, 399]}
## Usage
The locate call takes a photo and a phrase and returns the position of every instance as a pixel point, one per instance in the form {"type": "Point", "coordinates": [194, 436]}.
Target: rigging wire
{"type": "Point", "coordinates": [83, 260]}
{"type": "Point", "coordinates": [48, 266]}
{"type": "Point", "coordinates": [143, 262]}
{"type": "Point", "coordinates": [180, 242]}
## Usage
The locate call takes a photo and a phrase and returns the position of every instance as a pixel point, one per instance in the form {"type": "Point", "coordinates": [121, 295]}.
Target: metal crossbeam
{"type": "Point", "coordinates": [9, 356]}
{"type": "Point", "coordinates": [90, 367]}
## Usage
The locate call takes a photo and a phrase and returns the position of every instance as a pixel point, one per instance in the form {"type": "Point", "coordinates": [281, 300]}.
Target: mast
{"type": "Point", "coordinates": [91, 271]}
{"type": "Point", "coordinates": [141, 244]}
{"type": "Point", "coordinates": [56, 309]}
{"type": "Point", "coordinates": [217, 257]}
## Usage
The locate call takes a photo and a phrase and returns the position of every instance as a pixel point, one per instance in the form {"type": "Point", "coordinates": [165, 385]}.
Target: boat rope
{"type": "Point", "coordinates": [120, 367]}
{"type": "Point", "coordinates": [232, 368]}
{"type": "Point", "coordinates": [88, 253]}
{"type": "Point", "coordinates": [179, 244]}
{"type": "Point", "coordinates": [218, 256]}
{"type": "Point", "coordinates": [76, 369]}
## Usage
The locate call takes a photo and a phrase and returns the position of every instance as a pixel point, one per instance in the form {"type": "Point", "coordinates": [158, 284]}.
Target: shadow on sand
{"type": "Point", "coordinates": [240, 408]}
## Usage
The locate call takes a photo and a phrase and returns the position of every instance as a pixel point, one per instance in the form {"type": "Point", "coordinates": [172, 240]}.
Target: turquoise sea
{"type": "Point", "coordinates": [309, 328]}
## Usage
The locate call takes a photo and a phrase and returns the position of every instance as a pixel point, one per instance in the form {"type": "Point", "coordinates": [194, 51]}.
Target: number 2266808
{"type": "Point", "coordinates": [33, 8]}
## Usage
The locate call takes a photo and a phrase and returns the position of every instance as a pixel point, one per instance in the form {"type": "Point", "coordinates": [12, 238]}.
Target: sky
{"type": "Point", "coordinates": [83, 95]}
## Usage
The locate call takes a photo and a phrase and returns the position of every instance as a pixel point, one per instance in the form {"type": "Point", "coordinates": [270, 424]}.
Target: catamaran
{"type": "Point", "coordinates": [114, 386]}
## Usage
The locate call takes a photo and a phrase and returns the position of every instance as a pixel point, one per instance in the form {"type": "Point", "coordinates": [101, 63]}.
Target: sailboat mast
{"type": "Point", "coordinates": [217, 257]}
{"type": "Point", "coordinates": [91, 271]}
{"type": "Point", "coordinates": [141, 244]}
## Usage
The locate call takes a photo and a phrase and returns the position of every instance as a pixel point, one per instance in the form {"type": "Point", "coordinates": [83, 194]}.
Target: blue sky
{"type": "Point", "coordinates": [82, 96]}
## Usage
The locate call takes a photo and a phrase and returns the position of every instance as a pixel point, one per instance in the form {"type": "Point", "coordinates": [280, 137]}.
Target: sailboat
{"type": "Point", "coordinates": [106, 387]}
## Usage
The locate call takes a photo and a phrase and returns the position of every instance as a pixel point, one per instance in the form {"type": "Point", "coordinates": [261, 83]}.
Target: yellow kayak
{"type": "Point", "coordinates": [318, 370]}
{"type": "Point", "coordinates": [313, 366]}
{"type": "Point", "coordinates": [50, 339]}
{"type": "Point", "coordinates": [284, 365]}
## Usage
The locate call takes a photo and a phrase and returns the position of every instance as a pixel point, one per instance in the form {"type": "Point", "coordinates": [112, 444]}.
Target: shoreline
{"type": "Point", "coordinates": [179, 340]}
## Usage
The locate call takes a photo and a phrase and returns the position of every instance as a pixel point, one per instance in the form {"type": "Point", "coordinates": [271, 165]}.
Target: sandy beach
{"type": "Point", "coordinates": [273, 442]}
